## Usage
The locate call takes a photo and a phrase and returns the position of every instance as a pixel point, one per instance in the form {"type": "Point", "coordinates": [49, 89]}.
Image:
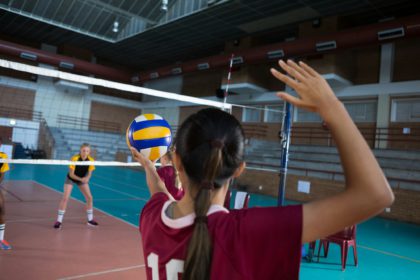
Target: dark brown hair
{"type": "Point", "coordinates": [210, 144]}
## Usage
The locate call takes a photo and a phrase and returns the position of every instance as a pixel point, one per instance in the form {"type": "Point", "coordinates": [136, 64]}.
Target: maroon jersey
{"type": "Point", "coordinates": [168, 176]}
{"type": "Point", "coordinates": [254, 243]}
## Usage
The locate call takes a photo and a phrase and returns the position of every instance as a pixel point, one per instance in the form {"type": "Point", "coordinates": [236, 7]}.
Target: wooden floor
{"type": "Point", "coordinates": [77, 251]}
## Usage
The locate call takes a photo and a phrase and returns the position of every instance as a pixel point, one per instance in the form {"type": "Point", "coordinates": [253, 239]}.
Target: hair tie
{"type": "Point", "coordinates": [207, 185]}
{"type": "Point", "coordinates": [217, 143]}
{"type": "Point", "coordinates": [202, 219]}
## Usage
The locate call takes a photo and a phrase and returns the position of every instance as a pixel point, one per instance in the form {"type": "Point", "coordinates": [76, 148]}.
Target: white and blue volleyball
{"type": "Point", "coordinates": [150, 134]}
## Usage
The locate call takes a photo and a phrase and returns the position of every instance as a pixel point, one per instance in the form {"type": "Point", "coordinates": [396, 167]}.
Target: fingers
{"type": "Point", "coordinates": [294, 70]}
{"type": "Point", "coordinates": [289, 98]}
{"type": "Point", "coordinates": [308, 69]}
{"type": "Point", "coordinates": [285, 79]}
{"type": "Point", "coordinates": [295, 101]}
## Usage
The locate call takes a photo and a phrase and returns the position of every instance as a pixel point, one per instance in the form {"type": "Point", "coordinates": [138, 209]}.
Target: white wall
{"type": "Point", "coordinates": [25, 132]}
{"type": "Point", "coordinates": [53, 101]}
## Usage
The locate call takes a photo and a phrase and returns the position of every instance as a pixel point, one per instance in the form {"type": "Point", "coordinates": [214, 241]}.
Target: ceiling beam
{"type": "Point", "coordinates": [118, 10]}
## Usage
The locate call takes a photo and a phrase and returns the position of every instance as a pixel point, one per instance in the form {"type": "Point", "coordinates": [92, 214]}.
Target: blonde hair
{"type": "Point", "coordinates": [84, 145]}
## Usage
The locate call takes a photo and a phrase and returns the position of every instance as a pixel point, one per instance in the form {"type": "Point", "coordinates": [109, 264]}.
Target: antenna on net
{"type": "Point", "coordinates": [225, 95]}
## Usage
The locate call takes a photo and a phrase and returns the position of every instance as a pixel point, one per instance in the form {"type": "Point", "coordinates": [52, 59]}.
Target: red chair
{"type": "Point", "coordinates": [344, 239]}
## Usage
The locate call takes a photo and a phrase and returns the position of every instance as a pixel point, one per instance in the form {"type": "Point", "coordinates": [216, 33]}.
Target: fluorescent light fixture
{"type": "Point", "coordinates": [115, 26]}
{"type": "Point", "coordinates": [164, 6]}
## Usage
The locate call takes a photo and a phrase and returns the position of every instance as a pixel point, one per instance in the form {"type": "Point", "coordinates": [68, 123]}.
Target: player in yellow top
{"type": "Point", "coordinates": [4, 167]}
{"type": "Point", "coordinates": [79, 175]}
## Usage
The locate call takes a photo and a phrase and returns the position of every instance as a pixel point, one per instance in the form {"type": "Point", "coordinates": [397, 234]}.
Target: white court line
{"type": "Point", "coordinates": [82, 202]}
{"type": "Point", "coordinates": [68, 162]}
{"type": "Point", "coordinates": [48, 219]}
{"type": "Point", "coordinates": [102, 272]}
{"type": "Point", "coordinates": [389, 253]}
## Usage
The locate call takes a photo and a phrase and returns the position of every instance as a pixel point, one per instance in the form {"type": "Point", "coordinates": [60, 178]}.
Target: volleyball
{"type": "Point", "coordinates": [150, 134]}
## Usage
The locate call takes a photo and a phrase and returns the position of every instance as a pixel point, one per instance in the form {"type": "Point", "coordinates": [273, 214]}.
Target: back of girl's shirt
{"type": "Point", "coordinates": [168, 175]}
{"type": "Point", "coordinates": [255, 243]}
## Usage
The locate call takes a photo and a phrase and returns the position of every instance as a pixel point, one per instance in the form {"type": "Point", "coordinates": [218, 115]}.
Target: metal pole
{"type": "Point", "coordinates": [285, 141]}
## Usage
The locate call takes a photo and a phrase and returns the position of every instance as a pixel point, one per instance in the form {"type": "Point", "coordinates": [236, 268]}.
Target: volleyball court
{"type": "Point", "coordinates": [70, 110]}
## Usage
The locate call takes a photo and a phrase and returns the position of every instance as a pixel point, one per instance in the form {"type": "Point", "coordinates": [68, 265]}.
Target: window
{"type": "Point", "coordinates": [252, 114]}
{"type": "Point", "coordinates": [302, 115]}
{"type": "Point", "coordinates": [405, 110]}
{"type": "Point", "coordinates": [362, 111]}
{"type": "Point", "coordinates": [273, 116]}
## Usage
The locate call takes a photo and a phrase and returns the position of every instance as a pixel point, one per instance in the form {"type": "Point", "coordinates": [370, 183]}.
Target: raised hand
{"type": "Point", "coordinates": [314, 92]}
{"type": "Point", "coordinates": [140, 158]}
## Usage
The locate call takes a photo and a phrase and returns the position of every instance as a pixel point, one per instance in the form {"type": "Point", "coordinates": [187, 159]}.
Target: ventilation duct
{"type": "Point", "coordinates": [41, 56]}
{"type": "Point", "coordinates": [326, 46]}
{"type": "Point", "coordinates": [203, 66]}
{"type": "Point", "coordinates": [135, 79]}
{"type": "Point", "coordinates": [66, 65]}
{"type": "Point", "coordinates": [237, 60]}
{"type": "Point", "coordinates": [29, 56]}
{"type": "Point", "coordinates": [71, 87]}
{"type": "Point", "coordinates": [176, 71]}
{"type": "Point", "coordinates": [277, 54]}
{"type": "Point", "coordinates": [154, 75]}
{"type": "Point", "coordinates": [391, 33]}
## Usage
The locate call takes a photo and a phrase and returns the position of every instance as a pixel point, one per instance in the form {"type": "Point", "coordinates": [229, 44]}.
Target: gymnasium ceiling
{"type": "Point", "coordinates": [147, 36]}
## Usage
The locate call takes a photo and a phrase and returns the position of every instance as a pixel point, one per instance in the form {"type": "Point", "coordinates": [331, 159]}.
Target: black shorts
{"type": "Point", "coordinates": [69, 181]}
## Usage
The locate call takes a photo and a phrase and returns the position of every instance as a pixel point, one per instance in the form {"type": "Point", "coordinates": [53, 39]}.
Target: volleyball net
{"type": "Point", "coordinates": [46, 114]}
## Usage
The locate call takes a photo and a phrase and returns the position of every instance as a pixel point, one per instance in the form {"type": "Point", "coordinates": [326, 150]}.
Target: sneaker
{"type": "Point", "coordinates": [92, 223]}
{"type": "Point", "coordinates": [4, 245]}
{"type": "Point", "coordinates": [57, 225]}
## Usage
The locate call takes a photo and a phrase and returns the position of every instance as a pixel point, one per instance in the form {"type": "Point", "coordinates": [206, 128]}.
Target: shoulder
{"type": "Point", "coordinates": [3, 155]}
{"type": "Point", "coordinates": [75, 158]}
{"type": "Point", "coordinates": [157, 199]}
{"type": "Point", "coordinates": [258, 221]}
{"type": "Point", "coordinates": [154, 205]}
{"type": "Point", "coordinates": [91, 158]}
{"type": "Point", "coordinates": [169, 169]}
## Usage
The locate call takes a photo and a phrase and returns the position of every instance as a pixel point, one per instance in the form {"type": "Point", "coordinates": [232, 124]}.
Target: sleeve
{"type": "Point", "coordinates": [161, 173]}
{"type": "Point", "coordinates": [273, 235]}
{"type": "Point", "coordinates": [152, 208]}
{"type": "Point", "coordinates": [5, 165]}
{"type": "Point", "coordinates": [91, 167]}
{"type": "Point", "coordinates": [74, 158]}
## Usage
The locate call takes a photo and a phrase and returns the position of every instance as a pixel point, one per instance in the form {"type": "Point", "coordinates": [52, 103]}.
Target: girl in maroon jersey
{"type": "Point", "coordinates": [169, 176]}
{"type": "Point", "coordinates": [199, 238]}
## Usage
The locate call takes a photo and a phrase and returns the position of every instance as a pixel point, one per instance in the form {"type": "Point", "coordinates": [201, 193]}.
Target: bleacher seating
{"type": "Point", "coordinates": [402, 168]}
{"type": "Point", "coordinates": [104, 145]}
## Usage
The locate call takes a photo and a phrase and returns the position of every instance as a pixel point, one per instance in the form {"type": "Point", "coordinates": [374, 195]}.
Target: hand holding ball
{"type": "Point", "coordinates": [150, 134]}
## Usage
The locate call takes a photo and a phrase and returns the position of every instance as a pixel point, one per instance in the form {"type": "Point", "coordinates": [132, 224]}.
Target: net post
{"type": "Point", "coordinates": [285, 142]}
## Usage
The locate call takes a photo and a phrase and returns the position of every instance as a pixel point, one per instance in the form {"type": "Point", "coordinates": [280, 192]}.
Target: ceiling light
{"type": "Point", "coordinates": [164, 6]}
{"type": "Point", "coordinates": [115, 26]}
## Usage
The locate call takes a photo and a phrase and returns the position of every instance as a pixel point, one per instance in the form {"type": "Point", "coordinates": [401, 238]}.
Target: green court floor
{"type": "Point", "coordinates": [386, 249]}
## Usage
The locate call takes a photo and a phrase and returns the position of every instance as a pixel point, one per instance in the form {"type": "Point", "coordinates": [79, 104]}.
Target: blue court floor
{"type": "Point", "coordinates": [386, 249]}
